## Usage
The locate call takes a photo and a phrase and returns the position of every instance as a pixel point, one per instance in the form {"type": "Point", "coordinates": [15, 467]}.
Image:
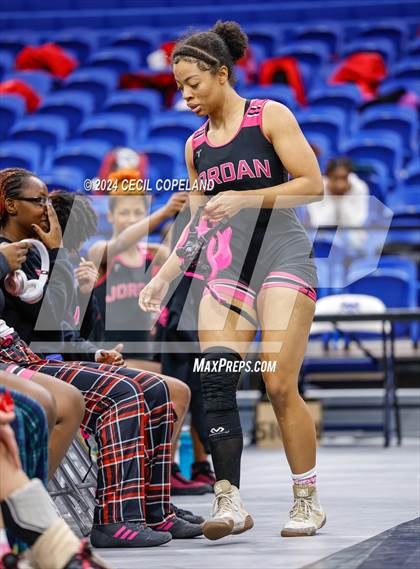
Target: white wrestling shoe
{"type": "Point", "coordinates": [229, 516]}
{"type": "Point", "coordinates": [306, 516]}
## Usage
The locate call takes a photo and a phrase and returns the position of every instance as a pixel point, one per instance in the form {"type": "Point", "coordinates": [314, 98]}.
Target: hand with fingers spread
{"type": "Point", "coordinates": [53, 238]}
{"type": "Point", "coordinates": [152, 295]}
{"type": "Point", "coordinates": [111, 357]}
{"type": "Point", "coordinates": [86, 274]}
{"type": "Point", "coordinates": [15, 253]}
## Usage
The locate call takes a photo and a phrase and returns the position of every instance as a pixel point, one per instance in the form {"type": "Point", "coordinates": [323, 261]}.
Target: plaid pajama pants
{"type": "Point", "coordinates": [130, 414]}
{"type": "Point", "coordinates": [31, 432]}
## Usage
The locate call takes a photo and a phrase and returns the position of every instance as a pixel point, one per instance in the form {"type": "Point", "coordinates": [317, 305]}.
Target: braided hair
{"type": "Point", "coordinates": [11, 182]}
{"type": "Point", "coordinates": [224, 45]}
{"type": "Point", "coordinates": [76, 216]}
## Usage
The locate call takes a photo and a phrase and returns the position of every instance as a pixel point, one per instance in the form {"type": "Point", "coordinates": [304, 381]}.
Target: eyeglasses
{"type": "Point", "coordinates": [41, 201]}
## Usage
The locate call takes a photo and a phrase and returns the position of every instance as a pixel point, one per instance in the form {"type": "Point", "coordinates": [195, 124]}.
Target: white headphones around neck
{"type": "Point", "coordinates": [30, 291]}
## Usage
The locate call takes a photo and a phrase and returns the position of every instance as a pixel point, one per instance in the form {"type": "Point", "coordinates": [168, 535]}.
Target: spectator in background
{"type": "Point", "coordinates": [345, 201]}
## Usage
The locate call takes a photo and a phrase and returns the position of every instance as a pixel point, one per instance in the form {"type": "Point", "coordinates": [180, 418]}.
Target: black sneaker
{"type": "Point", "coordinates": [187, 515]}
{"type": "Point", "coordinates": [180, 529]}
{"type": "Point", "coordinates": [127, 534]}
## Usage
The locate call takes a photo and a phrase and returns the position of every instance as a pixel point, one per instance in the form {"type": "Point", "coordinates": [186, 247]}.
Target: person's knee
{"type": "Point", "coordinates": [48, 403]}
{"type": "Point", "coordinates": [281, 388]}
{"type": "Point", "coordinates": [219, 380]}
{"type": "Point", "coordinates": [76, 403]}
{"type": "Point", "coordinates": [180, 394]}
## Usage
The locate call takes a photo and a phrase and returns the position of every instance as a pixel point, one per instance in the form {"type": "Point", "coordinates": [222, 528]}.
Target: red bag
{"type": "Point", "coordinates": [366, 69]}
{"type": "Point", "coordinates": [49, 57]}
{"type": "Point", "coordinates": [163, 82]}
{"type": "Point", "coordinates": [18, 87]}
{"type": "Point", "coordinates": [288, 68]}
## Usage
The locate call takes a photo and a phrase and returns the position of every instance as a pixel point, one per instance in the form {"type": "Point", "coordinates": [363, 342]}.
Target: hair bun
{"type": "Point", "coordinates": [233, 36]}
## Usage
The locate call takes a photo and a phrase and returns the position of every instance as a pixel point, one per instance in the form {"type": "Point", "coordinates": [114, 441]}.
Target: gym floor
{"type": "Point", "coordinates": [367, 491]}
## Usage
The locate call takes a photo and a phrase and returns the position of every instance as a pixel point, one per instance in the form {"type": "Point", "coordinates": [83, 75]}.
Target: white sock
{"type": "Point", "coordinates": [306, 478]}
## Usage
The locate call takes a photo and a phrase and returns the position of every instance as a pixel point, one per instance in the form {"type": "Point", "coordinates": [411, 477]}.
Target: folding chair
{"type": "Point", "coordinates": [73, 487]}
{"type": "Point", "coordinates": [366, 368]}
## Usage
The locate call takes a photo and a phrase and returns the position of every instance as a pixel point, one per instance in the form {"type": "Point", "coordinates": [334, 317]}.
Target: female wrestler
{"type": "Point", "coordinates": [256, 267]}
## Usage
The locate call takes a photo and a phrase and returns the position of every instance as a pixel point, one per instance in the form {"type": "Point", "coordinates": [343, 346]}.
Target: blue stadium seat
{"type": "Point", "coordinates": [390, 84]}
{"type": "Point", "coordinates": [377, 145]}
{"type": "Point", "coordinates": [118, 129]}
{"type": "Point", "coordinates": [41, 81]}
{"type": "Point", "coordinates": [7, 62]}
{"type": "Point", "coordinates": [413, 48]}
{"type": "Point", "coordinates": [177, 125]}
{"type": "Point", "coordinates": [98, 82]}
{"type": "Point", "coordinates": [330, 121]}
{"type": "Point", "coordinates": [64, 178]}
{"type": "Point", "coordinates": [265, 38]}
{"type": "Point", "coordinates": [321, 144]}
{"type": "Point", "coordinates": [378, 183]}
{"type": "Point", "coordinates": [395, 31]}
{"type": "Point", "coordinates": [327, 33]}
{"type": "Point", "coordinates": [80, 42]}
{"type": "Point", "coordinates": [411, 174]}
{"type": "Point", "coordinates": [281, 93]}
{"type": "Point", "coordinates": [403, 120]}
{"type": "Point", "coordinates": [314, 53]}
{"type": "Point", "coordinates": [346, 97]}
{"type": "Point", "coordinates": [85, 155]}
{"type": "Point", "coordinates": [394, 282]}
{"type": "Point", "coordinates": [164, 156]}
{"type": "Point", "coordinates": [144, 41]}
{"type": "Point", "coordinates": [409, 68]}
{"type": "Point", "coordinates": [14, 42]}
{"type": "Point", "coordinates": [405, 199]}
{"type": "Point", "coordinates": [12, 107]}
{"type": "Point", "coordinates": [20, 155]}
{"type": "Point", "coordinates": [141, 103]}
{"type": "Point", "coordinates": [119, 59]}
{"type": "Point", "coordinates": [44, 130]}
{"type": "Point", "coordinates": [74, 106]}
{"type": "Point", "coordinates": [383, 46]}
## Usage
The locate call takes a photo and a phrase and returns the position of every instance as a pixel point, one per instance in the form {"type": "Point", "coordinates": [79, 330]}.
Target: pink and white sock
{"type": "Point", "coordinates": [306, 478]}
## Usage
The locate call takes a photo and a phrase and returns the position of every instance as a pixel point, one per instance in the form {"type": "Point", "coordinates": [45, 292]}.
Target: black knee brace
{"type": "Point", "coordinates": [219, 380]}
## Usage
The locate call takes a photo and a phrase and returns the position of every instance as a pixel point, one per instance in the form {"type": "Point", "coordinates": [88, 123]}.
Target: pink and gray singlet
{"type": "Point", "coordinates": [258, 248]}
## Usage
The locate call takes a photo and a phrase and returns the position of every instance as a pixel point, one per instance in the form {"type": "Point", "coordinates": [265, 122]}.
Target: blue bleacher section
{"type": "Point", "coordinates": [84, 116]}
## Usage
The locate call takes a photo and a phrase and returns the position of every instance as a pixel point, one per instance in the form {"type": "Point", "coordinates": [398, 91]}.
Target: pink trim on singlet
{"type": "Point", "coordinates": [260, 120]}
{"type": "Point", "coordinates": [288, 276]}
{"type": "Point", "coordinates": [198, 137]}
{"type": "Point", "coordinates": [229, 286]}
{"type": "Point", "coordinates": [233, 137]}
{"type": "Point", "coordinates": [20, 371]}
{"type": "Point", "coordinates": [254, 112]}
{"type": "Point", "coordinates": [306, 291]}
